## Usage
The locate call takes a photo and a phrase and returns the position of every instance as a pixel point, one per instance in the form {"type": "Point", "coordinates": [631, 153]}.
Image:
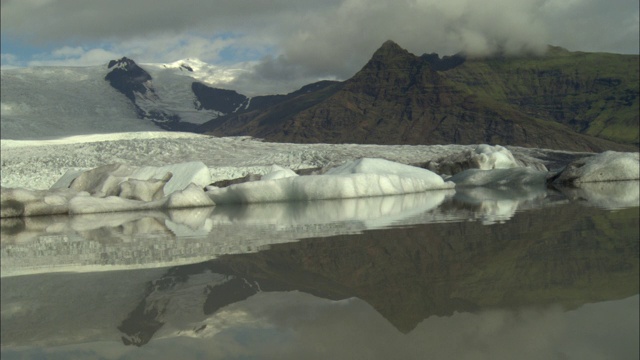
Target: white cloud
{"type": "Point", "coordinates": [309, 39]}
{"type": "Point", "coordinates": [9, 60]}
{"type": "Point", "coordinates": [74, 57]}
{"type": "Point", "coordinates": [68, 51]}
{"type": "Point", "coordinates": [160, 49]}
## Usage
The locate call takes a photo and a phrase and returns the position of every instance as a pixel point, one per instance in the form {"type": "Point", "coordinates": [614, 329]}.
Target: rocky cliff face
{"type": "Point", "coordinates": [555, 101]}
{"type": "Point", "coordinates": [137, 85]}
{"type": "Point", "coordinates": [224, 101]}
{"type": "Point", "coordinates": [128, 78]}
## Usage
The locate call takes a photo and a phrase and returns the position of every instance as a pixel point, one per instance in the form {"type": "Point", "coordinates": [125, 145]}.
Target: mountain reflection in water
{"type": "Point", "coordinates": [469, 275]}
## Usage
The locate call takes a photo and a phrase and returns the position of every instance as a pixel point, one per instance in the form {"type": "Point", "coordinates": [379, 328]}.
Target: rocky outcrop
{"type": "Point", "coordinates": [224, 101]}
{"type": "Point", "coordinates": [137, 85]}
{"type": "Point", "coordinates": [128, 78]}
{"type": "Point", "coordinates": [605, 167]}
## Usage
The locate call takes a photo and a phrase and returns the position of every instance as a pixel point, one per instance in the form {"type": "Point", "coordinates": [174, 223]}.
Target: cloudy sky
{"type": "Point", "coordinates": [281, 44]}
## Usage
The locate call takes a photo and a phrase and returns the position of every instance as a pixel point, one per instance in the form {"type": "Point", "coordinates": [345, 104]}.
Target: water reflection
{"type": "Point", "coordinates": [411, 273]}
{"type": "Point", "coordinates": [385, 278]}
{"type": "Point", "coordinates": [147, 239]}
{"type": "Point", "coordinates": [607, 195]}
{"type": "Point", "coordinates": [102, 242]}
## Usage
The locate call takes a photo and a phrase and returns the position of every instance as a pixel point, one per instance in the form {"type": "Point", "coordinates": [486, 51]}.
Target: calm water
{"type": "Point", "coordinates": [478, 275]}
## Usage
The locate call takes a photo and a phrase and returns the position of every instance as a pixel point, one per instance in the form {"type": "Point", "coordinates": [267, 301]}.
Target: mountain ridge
{"type": "Point", "coordinates": [560, 100]}
{"type": "Point", "coordinates": [401, 98]}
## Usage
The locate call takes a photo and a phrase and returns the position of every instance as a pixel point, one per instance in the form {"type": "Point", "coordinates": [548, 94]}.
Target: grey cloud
{"type": "Point", "coordinates": [591, 25]}
{"type": "Point", "coordinates": [345, 25]}
{"type": "Point", "coordinates": [58, 20]}
{"type": "Point", "coordinates": [340, 44]}
{"type": "Point", "coordinates": [309, 39]}
{"type": "Point", "coordinates": [275, 75]}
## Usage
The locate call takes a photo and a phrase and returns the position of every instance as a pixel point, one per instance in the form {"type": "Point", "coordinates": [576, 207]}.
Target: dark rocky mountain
{"type": "Point", "coordinates": [224, 101]}
{"type": "Point", "coordinates": [128, 78]}
{"type": "Point", "coordinates": [136, 84]}
{"type": "Point", "coordinates": [561, 100]}
{"type": "Point", "coordinates": [229, 101]}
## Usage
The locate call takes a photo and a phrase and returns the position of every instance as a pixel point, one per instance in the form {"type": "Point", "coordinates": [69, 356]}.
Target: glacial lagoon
{"type": "Point", "coordinates": [472, 274]}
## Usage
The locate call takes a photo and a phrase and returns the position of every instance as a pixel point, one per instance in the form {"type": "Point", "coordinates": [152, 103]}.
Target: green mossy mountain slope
{"type": "Point", "coordinates": [560, 100]}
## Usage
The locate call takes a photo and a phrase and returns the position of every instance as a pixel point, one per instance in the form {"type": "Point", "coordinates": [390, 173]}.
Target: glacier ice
{"type": "Point", "coordinates": [483, 157]}
{"type": "Point", "coordinates": [118, 187]}
{"type": "Point", "coordinates": [201, 159]}
{"type": "Point", "coordinates": [358, 178]}
{"type": "Point", "coordinates": [606, 166]}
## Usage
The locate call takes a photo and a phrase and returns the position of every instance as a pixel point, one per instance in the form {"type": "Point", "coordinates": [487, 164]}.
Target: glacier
{"type": "Point", "coordinates": [167, 170]}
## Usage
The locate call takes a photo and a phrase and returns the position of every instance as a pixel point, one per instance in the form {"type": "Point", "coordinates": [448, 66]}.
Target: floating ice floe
{"type": "Point", "coordinates": [483, 157]}
{"type": "Point", "coordinates": [108, 180]}
{"type": "Point", "coordinates": [110, 188]}
{"type": "Point", "coordinates": [24, 202]}
{"type": "Point", "coordinates": [606, 166]}
{"type": "Point", "coordinates": [115, 188]}
{"type": "Point", "coordinates": [192, 196]}
{"type": "Point", "coordinates": [358, 178]}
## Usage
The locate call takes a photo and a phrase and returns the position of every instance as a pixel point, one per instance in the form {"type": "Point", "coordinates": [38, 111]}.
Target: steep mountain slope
{"type": "Point", "coordinates": [162, 95]}
{"type": "Point", "coordinates": [592, 93]}
{"type": "Point", "coordinates": [562, 100]}
{"type": "Point", "coordinates": [400, 98]}
{"type": "Point", "coordinates": [266, 114]}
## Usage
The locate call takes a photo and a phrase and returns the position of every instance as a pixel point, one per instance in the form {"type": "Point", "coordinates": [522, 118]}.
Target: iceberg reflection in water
{"type": "Point", "coordinates": [141, 239]}
{"type": "Point", "coordinates": [479, 273]}
{"type": "Point", "coordinates": [111, 241]}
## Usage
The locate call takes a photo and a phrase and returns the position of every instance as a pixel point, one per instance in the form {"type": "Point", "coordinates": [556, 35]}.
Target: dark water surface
{"type": "Point", "coordinates": [436, 277]}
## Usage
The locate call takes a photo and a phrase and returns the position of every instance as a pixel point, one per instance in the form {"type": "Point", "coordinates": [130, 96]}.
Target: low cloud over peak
{"type": "Point", "coordinates": [287, 40]}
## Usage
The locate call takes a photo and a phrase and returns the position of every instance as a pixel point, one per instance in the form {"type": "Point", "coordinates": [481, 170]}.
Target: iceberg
{"type": "Point", "coordinates": [606, 166]}
{"type": "Point", "coordinates": [483, 157]}
{"type": "Point", "coordinates": [115, 188]}
{"type": "Point", "coordinates": [278, 172]}
{"type": "Point", "coordinates": [25, 202]}
{"type": "Point", "coordinates": [359, 178]}
{"type": "Point", "coordinates": [105, 180]}
{"type": "Point", "coordinates": [202, 165]}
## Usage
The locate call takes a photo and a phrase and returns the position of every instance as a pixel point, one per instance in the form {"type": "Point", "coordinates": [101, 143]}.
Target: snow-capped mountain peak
{"type": "Point", "coordinates": [189, 64]}
{"type": "Point", "coordinates": [210, 74]}
{"type": "Point", "coordinates": [123, 63]}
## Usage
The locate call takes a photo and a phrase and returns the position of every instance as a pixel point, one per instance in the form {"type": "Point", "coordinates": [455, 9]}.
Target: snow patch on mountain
{"type": "Point", "coordinates": [212, 75]}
